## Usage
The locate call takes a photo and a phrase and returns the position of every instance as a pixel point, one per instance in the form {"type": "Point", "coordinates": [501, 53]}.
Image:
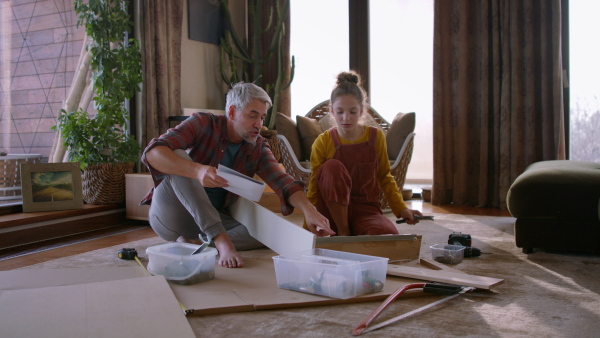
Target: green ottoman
{"type": "Point", "coordinates": [556, 204]}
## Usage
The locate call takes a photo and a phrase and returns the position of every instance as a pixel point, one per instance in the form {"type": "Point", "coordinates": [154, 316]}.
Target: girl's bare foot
{"type": "Point", "coordinates": [228, 256]}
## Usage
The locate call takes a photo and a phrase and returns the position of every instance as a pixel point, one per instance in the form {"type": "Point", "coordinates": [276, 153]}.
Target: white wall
{"type": "Point", "coordinates": [201, 83]}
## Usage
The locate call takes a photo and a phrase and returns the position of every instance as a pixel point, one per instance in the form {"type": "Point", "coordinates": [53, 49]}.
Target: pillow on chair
{"type": "Point", "coordinates": [326, 122]}
{"type": "Point", "coordinates": [370, 121]}
{"type": "Point", "coordinates": [287, 127]}
{"type": "Point", "coordinates": [402, 125]}
{"type": "Point", "coordinates": [308, 130]}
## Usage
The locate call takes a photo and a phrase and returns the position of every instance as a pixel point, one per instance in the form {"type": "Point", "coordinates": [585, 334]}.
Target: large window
{"type": "Point", "coordinates": [319, 43]}
{"type": "Point", "coordinates": [401, 59]}
{"type": "Point", "coordinates": [39, 49]}
{"type": "Point", "coordinates": [401, 39]}
{"type": "Point", "coordinates": [584, 81]}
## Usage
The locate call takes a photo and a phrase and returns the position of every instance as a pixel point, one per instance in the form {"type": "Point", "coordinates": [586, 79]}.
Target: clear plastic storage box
{"type": "Point", "coordinates": [176, 262]}
{"type": "Point", "coordinates": [331, 273]}
{"type": "Point", "coordinates": [447, 253]}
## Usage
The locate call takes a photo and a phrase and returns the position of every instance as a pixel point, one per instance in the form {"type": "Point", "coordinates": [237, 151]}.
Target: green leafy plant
{"type": "Point", "coordinates": [116, 74]}
{"type": "Point", "coordinates": [244, 61]}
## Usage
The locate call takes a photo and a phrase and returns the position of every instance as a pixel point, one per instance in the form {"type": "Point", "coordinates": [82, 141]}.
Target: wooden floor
{"type": "Point", "coordinates": [26, 255]}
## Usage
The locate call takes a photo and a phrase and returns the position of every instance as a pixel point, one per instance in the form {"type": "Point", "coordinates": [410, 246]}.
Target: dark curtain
{"type": "Point", "coordinates": [161, 53]}
{"type": "Point", "coordinates": [498, 96]}
{"type": "Point", "coordinates": [271, 67]}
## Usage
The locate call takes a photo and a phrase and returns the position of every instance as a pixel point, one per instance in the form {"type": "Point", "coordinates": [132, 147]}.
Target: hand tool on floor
{"type": "Point", "coordinates": [436, 288]}
{"type": "Point", "coordinates": [416, 217]}
{"type": "Point", "coordinates": [127, 253]}
{"type": "Point", "coordinates": [202, 247]}
{"type": "Point", "coordinates": [458, 238]}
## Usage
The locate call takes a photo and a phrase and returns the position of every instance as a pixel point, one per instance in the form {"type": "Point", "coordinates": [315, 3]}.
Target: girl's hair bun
{"type": "Point", "coordinates": [348, 77]}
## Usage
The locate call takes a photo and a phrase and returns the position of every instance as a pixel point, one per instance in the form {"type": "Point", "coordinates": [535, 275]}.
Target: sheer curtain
{"type": "Point", "coordinates": [498, 96]}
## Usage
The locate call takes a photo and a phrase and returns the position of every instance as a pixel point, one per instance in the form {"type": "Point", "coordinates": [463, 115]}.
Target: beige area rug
{"type": "Point", "coordinates": [544, 294]}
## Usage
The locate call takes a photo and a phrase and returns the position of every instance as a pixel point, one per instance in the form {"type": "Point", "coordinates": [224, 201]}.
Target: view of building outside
{"type": "Point", "coordinates": [584, 82]}
{"type": "Point", "coordinates": [39, 50]}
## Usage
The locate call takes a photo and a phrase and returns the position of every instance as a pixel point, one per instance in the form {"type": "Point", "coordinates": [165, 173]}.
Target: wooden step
{"type": "Point", "coordinates": [23, 228]}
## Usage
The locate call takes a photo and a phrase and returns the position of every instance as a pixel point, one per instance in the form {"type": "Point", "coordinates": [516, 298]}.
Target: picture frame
{"type": "Point", "coordinates": [51, 186]}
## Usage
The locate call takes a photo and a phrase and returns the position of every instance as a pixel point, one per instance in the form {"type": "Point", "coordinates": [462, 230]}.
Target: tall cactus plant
{"type": "Point", "coordinates": [241, 61]}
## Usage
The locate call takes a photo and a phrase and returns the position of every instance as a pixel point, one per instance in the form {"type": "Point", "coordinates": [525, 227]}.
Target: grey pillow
{"type": "Point", "coordinates": [370, 121]}
{"type": "Point", "coordinates": [287, 127]}
{"type": "Point", "coordinates": [326, 122]}
{"type": "Point", "coordinates": [402, 125]}
{"type": "Point", "coordinates": [308, 130]}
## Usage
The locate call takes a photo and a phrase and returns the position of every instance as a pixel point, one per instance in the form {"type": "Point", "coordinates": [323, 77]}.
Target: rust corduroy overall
{"type": "Point", "coordinates": [350, 178]}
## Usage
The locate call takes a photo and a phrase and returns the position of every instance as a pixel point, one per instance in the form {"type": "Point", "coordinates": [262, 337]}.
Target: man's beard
{"type": "Point", "coordinates": [245, 134]}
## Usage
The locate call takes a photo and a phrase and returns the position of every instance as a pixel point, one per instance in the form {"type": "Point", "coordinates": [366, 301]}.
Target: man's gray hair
{"type": "Point", "coordinates": [242, 93]}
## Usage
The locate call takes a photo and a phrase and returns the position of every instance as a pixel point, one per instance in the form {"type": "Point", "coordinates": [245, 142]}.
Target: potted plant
{"type": "Point", "coordinates": [101, 143]}
{"type": "Point", "coordinates": [244, 60]}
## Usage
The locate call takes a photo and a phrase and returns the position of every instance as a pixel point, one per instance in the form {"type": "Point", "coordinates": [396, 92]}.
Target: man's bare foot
{"type": "Point", "coordinates": [182, 239]}
{"type": "Point", "coordinates": [228, 256]}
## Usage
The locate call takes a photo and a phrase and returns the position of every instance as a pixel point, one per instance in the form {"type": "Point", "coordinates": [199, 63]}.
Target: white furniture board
{"type": "Point", "coordinates": [277, 233]}
{"type": "Point", "coordinates": [443, 276]}
{"type": "Point", "coordinates": [241, 184]}
{"type": "Point", "coordinates": [136, 307]}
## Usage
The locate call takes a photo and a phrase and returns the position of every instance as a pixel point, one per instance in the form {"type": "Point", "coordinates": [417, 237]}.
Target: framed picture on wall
{"type": "Point", "coordinates": [51, 186]}
{"type": "Point", "coordinates": [205, 21]}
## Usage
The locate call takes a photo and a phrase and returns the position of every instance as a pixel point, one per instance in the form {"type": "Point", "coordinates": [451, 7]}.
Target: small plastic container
{"type": "Point", "coordinates": [447, 253]}
{"type": "Point", "coordinates": [176, 262]}
{"type": "Point", "coordinates": [331, 273]}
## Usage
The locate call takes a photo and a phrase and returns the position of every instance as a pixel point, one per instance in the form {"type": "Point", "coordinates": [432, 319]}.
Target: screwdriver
{"type": "Point", "coordinates": [416, 217]}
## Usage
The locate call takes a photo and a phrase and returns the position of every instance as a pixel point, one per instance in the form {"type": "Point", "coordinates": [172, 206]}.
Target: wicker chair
{"type": "Point", "coordinates": [398, 167]}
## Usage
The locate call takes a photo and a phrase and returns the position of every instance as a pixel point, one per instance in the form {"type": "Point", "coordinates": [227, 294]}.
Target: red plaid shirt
{"type": "Point", "coordinates": [205, 135]}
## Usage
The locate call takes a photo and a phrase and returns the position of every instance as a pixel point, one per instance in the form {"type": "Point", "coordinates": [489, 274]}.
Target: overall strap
{"type": "Point", "coordinates": [335, 138]}
{"type": "Point", "coordinates": [372, 136]}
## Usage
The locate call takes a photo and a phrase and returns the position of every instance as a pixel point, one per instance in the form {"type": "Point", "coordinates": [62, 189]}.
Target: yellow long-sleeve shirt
{"type": "Point", "coordinates": [323, 150]}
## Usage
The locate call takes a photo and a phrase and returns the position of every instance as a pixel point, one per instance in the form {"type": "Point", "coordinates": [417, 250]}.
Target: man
{"type": "Point", "coordinates": [188, 199]}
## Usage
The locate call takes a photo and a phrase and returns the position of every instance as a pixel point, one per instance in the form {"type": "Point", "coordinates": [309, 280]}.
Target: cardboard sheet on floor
{"type": "Point", "coordinates": [135, 307]}
{"type": "Point", "coordinates": [255, 288]}
{"type": "Point", "coordinates": [233, 290]}
{"type": "Point", "coordinates": [39, 278]}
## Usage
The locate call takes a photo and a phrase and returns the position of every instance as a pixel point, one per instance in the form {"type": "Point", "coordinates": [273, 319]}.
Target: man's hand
{"type": "Point", "coordinates": [315, 222]}
{"type": "Point", "coordinates": [177, 162]}
{"type": "Point", "coordinates": [208, 177]}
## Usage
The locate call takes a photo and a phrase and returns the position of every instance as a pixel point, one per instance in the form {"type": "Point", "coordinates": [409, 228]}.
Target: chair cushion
{"type": "Point", "coordinates": [308, 130]}
{"type": "Point", "coordinates": [287, 127]}
{"type": "Point", "coordinates": [327, 122]}
{"type": "Point", "coordinates": [402, 125]}
{"type": "Point", "coordinates": [370, 121]}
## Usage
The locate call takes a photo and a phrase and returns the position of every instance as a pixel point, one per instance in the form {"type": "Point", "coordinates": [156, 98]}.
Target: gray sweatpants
{"type": "Point", "coordinates": [181, 207]}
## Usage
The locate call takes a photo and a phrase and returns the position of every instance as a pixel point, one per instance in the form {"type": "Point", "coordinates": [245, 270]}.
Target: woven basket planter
{"type": "Point", "coordinates": [105, 183]}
